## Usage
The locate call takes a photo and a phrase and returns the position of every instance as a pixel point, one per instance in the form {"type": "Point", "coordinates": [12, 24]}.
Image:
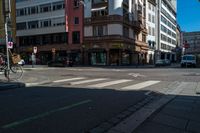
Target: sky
{"type": "Point", "coordinates": [188, 14]}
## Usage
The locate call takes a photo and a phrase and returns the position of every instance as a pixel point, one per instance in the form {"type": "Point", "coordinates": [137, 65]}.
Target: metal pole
{"type": "Point", "coordinates": [7, 51]}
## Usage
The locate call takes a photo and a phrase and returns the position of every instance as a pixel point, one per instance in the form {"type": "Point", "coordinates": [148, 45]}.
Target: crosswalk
{"type": "Point", "coordinates": [98, 83]}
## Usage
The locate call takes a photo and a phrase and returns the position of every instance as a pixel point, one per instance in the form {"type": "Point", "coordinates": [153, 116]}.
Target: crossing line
{"type": "Point", "coordinates": [100, 85]}
{"type": "Point", "coordinates": [71, 79]}
{"type": "Point", "coordinates": [87, 81]}
{"type": "Point", "coordinates": [140, 85]}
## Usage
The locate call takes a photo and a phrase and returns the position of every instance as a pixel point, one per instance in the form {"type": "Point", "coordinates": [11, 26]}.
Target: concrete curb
{"type": "Point", "coordinates": [198, 88]}
{"type": "Point", "coordinates": [37, 83]}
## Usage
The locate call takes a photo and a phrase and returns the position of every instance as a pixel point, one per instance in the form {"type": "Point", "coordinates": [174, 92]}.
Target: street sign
{"type": "Point", "coordinates": [34, 50]}
{"type": "Point", "coordinates": [10, 45]}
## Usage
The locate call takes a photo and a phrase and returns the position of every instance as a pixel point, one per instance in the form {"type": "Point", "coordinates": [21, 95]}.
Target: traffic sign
{"type": "Point", "coordinates": [34, 50]}
{"type": "Point", "coordinates": [10, 45]}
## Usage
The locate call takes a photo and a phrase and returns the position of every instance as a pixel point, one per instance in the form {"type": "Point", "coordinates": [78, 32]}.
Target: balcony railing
{"type": "Point", "coordinates": [108, 38]}
{"type": "Point", "coordinates": [114, 18]}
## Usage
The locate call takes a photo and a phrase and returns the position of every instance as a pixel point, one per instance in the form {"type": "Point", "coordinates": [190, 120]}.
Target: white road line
{"type": "Point", "coordinates": [87, 81]}
{"type": "Point", "coordinates": [100, 85]}
{"type": "Point", "coordinates": [70, 79]}
{"type": "Point", "coordinates": [140, 85]}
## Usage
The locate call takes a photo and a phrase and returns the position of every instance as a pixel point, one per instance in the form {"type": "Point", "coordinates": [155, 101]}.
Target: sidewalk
{"type": "Point", "coordinates": [28, 79]}
{"type": "Point", "coordinates": [181, 115]}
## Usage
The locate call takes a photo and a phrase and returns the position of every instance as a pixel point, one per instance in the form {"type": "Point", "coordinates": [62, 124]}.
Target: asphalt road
{"type": "Point", "coordinates": [61, 107]}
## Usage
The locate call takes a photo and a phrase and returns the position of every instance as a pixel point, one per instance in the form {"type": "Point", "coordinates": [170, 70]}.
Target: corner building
{"type": "Point", "coordinates": [114, 32]}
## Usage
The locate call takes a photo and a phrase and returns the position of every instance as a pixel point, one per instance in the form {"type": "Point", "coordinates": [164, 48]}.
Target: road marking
{"type": "Point", "coordinates": [136, 75]}
{"type": "Point", "coordinates": [147, 93]}
{"type": "Point", "coordinates": [87, 81]}
{"type": "Point", "coordinates": [71, 79]}
{"type": "Point", "coordinates": [140, 85]}
{"type": "Point", "coordinates": [17, 123]}
{"type": "Point", "coordinates": [100, 85]}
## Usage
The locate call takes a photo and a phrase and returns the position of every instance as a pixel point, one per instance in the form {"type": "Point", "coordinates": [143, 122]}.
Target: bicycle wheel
{"type": "Point", "coordinates": [16, 72]}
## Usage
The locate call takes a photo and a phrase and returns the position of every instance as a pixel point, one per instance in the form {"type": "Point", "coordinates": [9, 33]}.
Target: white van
{"type": "Point", "coordinates": [188, 60]}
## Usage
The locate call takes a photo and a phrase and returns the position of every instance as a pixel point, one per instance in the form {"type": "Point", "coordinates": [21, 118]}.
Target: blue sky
{"type": "Point", "coordinates": [188, 15]}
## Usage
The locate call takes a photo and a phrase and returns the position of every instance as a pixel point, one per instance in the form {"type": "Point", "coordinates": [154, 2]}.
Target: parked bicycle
{"type": "Point", "coordinates": [15, 71]}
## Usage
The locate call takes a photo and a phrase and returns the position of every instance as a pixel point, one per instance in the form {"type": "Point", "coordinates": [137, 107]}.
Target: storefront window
{"type": "Point", "coordinates": [98, 58]}
{"type": "Point", "coordinates": [125, 58]}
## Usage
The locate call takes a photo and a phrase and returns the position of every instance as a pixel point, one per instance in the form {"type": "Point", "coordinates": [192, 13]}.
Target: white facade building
{"type": "Point", "coordinates": [151, 23]}
{"type": "Point", "coordinates": [167, 26]}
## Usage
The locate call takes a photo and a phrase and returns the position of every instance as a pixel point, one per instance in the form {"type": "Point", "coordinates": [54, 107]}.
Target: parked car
{"type": "Point", "coordinates": [160, 62]}
{"type": "Point", "coordinates": [188, 61]}
{"type": "Point", "coordinates": [60, 62]}
{"type": "Point", "coordinates": [167, 62]}
{"type": "Point", "coordinates": [21, 62]}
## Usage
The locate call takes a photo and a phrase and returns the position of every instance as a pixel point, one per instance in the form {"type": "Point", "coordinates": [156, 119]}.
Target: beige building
{"type": "Point", "coordinates": [115, 32]}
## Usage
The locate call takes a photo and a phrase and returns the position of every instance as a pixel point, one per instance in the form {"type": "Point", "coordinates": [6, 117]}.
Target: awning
{"type": "Point", "coordinates": [98, 9]}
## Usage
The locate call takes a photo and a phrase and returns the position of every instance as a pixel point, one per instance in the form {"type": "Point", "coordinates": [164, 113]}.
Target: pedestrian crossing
{"type": "Point", "coordinates": [98, 83]}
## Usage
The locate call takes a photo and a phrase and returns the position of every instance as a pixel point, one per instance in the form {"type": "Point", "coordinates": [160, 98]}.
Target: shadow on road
{"type": "Point", "coordinates": [43, 109]}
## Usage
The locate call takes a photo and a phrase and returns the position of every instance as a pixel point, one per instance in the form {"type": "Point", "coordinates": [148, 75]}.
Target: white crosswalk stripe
{"type": "Point", "coordinates": [140, 85]}
{"type": "Point", "coordinates": [87, 81]}
{"type": "Point", "coordinates": [70, 79]}
{"type": "Point", "coordinates": [100, 85]}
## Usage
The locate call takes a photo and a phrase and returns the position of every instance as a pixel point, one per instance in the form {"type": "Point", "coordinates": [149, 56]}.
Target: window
{"type": "Point", "coordinates": [153, 19]}
{"type": "Point", "coordinates": [58, 21]}
{"type": "Point", "coordinates": [169, 40]}
{"type": "Point", "coordinates": [33, 24]}
{"type": "Point", "coordinates": [126, 31]}
{"type": "Point", "coordinates": [149, 17]}
{"type": "Point", "coordinates": [76, 20]}
{"type": "Point", "coordinates": [149, 28]}
{"type": "Point", "coordinates": [143, 37]}
{"type": "Point", "coordinates": [58, 6]}
{"type": "Point", "coordinates": [33, 10]}
{"type": "Point", "coordinates": [45, 8]}
{"type": "Point", "coordinates": [100, 30]}
{"type": "Point", "coordinates": [76, 3]}
{"type": "Point", "coordinates": [21, 26]}
{"type": "Point", "coordinates": [149, 6]}
{"type": "Point", "coordinates": [153, 8]}
{"type": "Point", "coordinates": [153, 31]}
{"type": "Point", "coordinates": [76, 37]}
{"type": "Point", "coordinates": [45, 23]}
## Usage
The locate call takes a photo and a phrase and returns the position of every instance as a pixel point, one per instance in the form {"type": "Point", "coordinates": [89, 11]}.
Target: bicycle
{"type": "Point", "coordinates": [15, 71]}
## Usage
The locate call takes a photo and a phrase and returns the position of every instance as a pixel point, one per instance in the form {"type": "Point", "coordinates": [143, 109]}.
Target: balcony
{"type": "Point", "coordinates": [101, 3]}
{"type": "Point", "coordinates": [103, 19]}
{"type": "Point", "coordinates": [108, 38]}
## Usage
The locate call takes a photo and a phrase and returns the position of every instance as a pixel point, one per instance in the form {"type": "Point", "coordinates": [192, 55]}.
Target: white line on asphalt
{"type": "Point", "coordinates": [148, 92]}
{"type": "Point", "coordinates": [100, 85]}
{"type": "Point", "coordinates": [87, 81]}
{"type": "Point", "coordinates": [71, 79]}
{"type": "Point", "coordinates": [140, 85]}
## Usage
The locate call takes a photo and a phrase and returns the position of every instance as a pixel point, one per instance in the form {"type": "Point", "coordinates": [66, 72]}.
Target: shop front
{"type": "Point", "coordinates": [97, 57]}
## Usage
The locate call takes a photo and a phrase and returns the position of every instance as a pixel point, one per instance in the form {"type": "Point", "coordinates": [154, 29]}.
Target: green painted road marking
{"type": "Point", "coordinates": [14, 124]}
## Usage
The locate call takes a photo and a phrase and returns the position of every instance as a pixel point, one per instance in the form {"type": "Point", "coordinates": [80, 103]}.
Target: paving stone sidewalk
{"type": "Point", "coordinates": [181, 115]}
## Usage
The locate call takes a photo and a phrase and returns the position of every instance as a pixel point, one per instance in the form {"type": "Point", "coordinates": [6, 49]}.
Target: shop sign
{"type": "Point", "coordinates": [116, 45]}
